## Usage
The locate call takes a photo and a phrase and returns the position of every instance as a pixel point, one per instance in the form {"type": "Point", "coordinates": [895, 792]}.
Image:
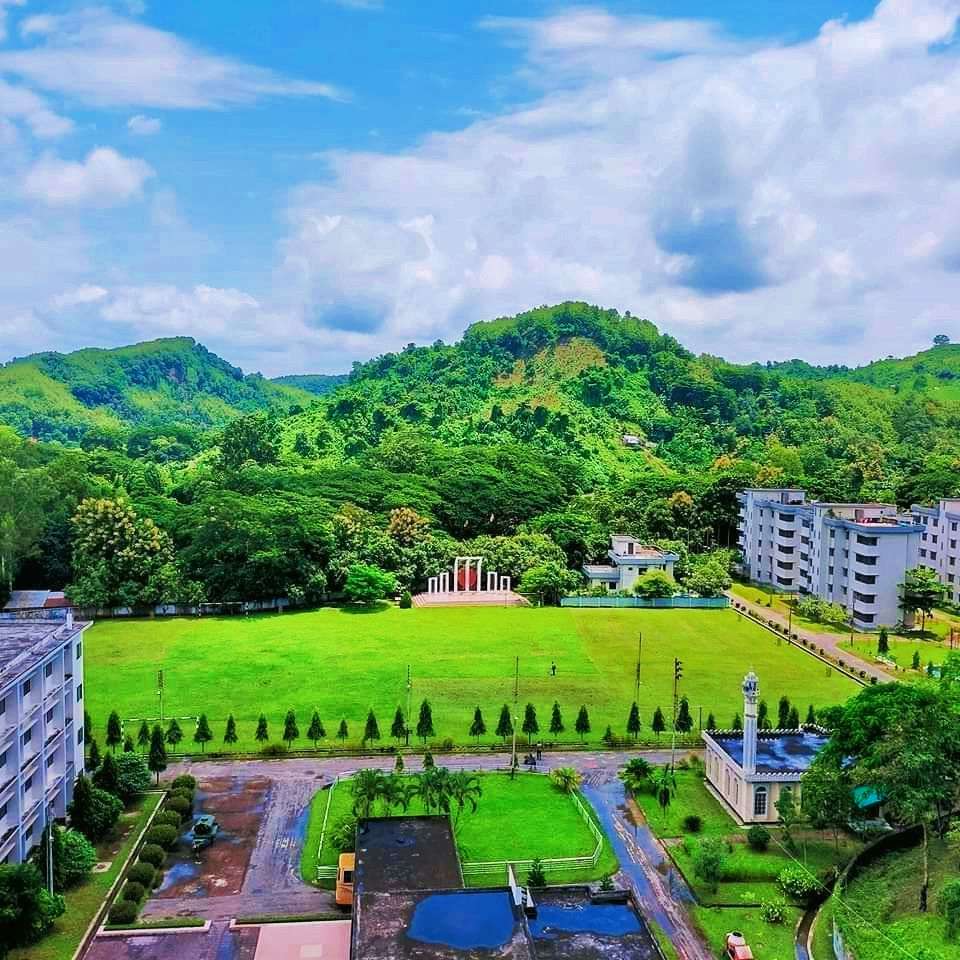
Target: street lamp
{"type": "Point", "coordinates": [513, 752]}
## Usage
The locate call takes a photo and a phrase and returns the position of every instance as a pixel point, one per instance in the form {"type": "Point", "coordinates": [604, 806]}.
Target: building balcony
{"type": "Point", "coordinates": [53, 736]}
{"type": "Point", "coordinates": [7, 787]}
{"type": "Point", "coordinates": [29, 713]}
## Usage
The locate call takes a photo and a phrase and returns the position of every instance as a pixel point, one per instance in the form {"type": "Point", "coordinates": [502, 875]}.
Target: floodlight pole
{"type": "Point", "coordinates": [160, 693]}
{"type": "Point", "coordinates": [639, 647]}
{"type": "Point", "coordinates": [49, 850]}
{"type": "Point", "coordinates": [516, 718]}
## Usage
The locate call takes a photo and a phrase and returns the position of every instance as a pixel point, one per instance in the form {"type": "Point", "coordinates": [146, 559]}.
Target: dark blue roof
{"type": "Point", "coordinates": [776, 753]}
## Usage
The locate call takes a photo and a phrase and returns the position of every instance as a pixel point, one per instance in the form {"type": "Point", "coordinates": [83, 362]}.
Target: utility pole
{"type": "Point", "coordinates": [677, 674]}
{"type": "Point", "coordinates": [409, 701]}
{"type": "Point", "coordinates": [50, 829]}
{"type": "Point", "coordinates": [639, 646]}
{"type": "Point", "coordinates": [160, 693]}
{"type": "Point", "coordinates": [516, 718]}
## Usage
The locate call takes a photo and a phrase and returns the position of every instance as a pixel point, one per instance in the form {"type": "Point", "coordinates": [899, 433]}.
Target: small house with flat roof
{"type": "Point", "coordinates": [630, 559]}
{"type": "Point", "coordinates": [748, 769]}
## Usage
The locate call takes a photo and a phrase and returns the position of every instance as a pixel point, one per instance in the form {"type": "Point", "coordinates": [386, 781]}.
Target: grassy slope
{"type": "Point", "coordinates": [85, 900]}
{"type": "Point", "coordinates": [515, 820]}
{"type": "Point", "coordinates": [345, 663]}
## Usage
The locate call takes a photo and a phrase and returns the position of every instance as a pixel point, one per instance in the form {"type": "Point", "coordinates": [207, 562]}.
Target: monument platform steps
{"type": "Point", "coordinates": [466, 598]}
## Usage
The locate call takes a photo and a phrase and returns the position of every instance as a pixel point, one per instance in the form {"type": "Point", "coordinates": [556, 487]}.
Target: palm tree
{"type": "Point", "coordinates": [395, 791]}
{"type": "Point", "coordinates": [433, 787]}
{"type": "Point", "coordinates": [464, 788]}
{"type": "Point", "coordinates": [664, 786]}
{"type": "Point", "coordinates": [367, 788]}
{"type": "Point", "coordinates": [636, 775]}
{"type": "Point", "coordinates": [566, 779]}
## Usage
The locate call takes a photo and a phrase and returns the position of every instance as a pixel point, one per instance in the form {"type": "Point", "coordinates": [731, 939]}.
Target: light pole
{"type": "Point", "coordinates": [49, 849]}
{"type": "Point", "coordinates": [516, 717]}
{"type": "Point", "coordinates": [677, 674]}
{"type": "Point", "coordinates": [639, 647]}
{"type": "Point", "coordinates": [160, 693]}
{"type": "Point", "coordinates": [700, 724]}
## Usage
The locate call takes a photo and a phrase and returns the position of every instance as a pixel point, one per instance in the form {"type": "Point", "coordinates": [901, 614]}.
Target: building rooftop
{"type": "Point", "coordinates": [598, 570]}
{"type": "Point", "coordinates": [25, 643]}
{"type": "Point", "coordinates": [778, 751]}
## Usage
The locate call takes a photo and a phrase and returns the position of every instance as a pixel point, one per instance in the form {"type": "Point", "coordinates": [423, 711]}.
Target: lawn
{"type": "Point", "coordinates": [345, 663]}
{"type": "Point", "coordinates": [778, 604]}
{"type": "Point", "coordinates": [517, 819]}
{"type": "Point", "coordinates": [880, 906]}
{"type": "Point", "coordinates": [769, 941]}
{"type": "Point", "coordinates": [84, 901]}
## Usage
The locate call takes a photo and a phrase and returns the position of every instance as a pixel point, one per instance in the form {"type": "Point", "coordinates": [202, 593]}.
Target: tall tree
{"type": "Point", "coordinates": [790, 815]}
{"type": "Point", "coordinates": [737, 722]}
{"type": "Point", "coordinates": [530, 725]}
{"type": "Point", "coordinates": [106, 778]}
{"type": "Point", "coordinates": [230, 733]}
{"type": "Point", "coordinates": [504, 724]}
{"type": "Point", "coordinates": [811, 715]}
{"type": "Point", "coordinates": [174, 733]}
{"type": "Point", "coordinates": [827, 798]}
{"type": "Point", "coordinates": [793, 719]}
{"type": "Point", "coordinates": [203, 734]}
{"type": "Point", "coordinates": [316, 731]}
{"type": "Point", "coordinates": [114, 731]}
{"type": "Point", "coordinates": [556, 721]}
{"type": "Point", "coordinates": [425, 722]}
{"type": "Point", "coordinates": [478, 728]}
{"type": "Point", "coordinates": [763, 716]}
{"type": "Point", "coordinates": [263, 734]}
{"type": "Point", "coordinates": [684, 720]}
{"type": "Point", "coordinates": [342, 731]}
{"type": "Point", "coordinates": [27, 909]}
{"type": "Point", "coordinates": [398, 729]}
{"type": "Point", "coordinates": [921, 590]}
{"type": "Point", "coordinates": [658, 725]}
{"type": "Point", "coordinates": [291, 731]}
{"type": "Point", "coordinates": [157, 758]}
{"type": "Point", "coordinates": [464, 790]}
{"type": "Point", "coordinates": [783, 714]}
{"type": "Point", "coordinates": [93, 811]}
{"type": "Point", "coordinates": [372, 730]}
{"type": "Point", "coordinates": [582, 725]}
{"type": "Point", "coordinates": [633, 720]}
{"type": "Point", "coordinates": [883, 642]}
{"type": "Point", "coordinates": [711, 722]}
{"type": "Point", "coordinates": [143, 735]}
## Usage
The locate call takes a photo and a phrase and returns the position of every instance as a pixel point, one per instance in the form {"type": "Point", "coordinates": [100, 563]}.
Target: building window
{"type": "Point", "coordinates": [49, 715]}
{"type": "Point", "coordinates": [923, 552]}
{"type": "Point", "coordinates": [610, 586]}
{"type": "Point", "coordinates": [3, 809]}
{"type": "Point", "coordinates": [865, 597]}
{"type": "Point", "coordinates": [867, 561]}
{"type": "Point", "coordinates": [27, 784]}
{"type": "Point", "coordinates": [26, 687]}
{"type": "Point", "coordinates": [48, 670]}
{"type": "Point", "coordinates": [866, 541]}
{"type": "Point", "coordinates": [865, 617]}
{"type": "Point", "coordinates": [50, 760]}
{"type": "Point", "coordinates": [950, 577]}
{"type": "Point", "coordinates": [923, 537]}
{"type": "Point", "coordinates": [630, 547]}
{"type": "Point", "coordinates": [27, 737]}
{"type": "Point", "coordinates": [933, 554]}
{"type": "Point", "coordinates": [953, 544]}
{"type": "Point", "coordinates": [79, 650]}
{"type": "Point", "coordinates": [934, 538]}
{"type": "Point", "coordinates": [79, 692]}
{"type": "Point", "coordinates": [865, 577]}
{"type": "Point", "coordinates": [760, 802]}
{"type": "Point", "coordinates": [80, 735]}
{"type": "Point", "coordinates": [28, 833]}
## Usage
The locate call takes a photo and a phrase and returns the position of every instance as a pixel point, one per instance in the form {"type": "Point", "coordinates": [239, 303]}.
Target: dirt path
{"type": "Point", "coordinates": [832, 643]}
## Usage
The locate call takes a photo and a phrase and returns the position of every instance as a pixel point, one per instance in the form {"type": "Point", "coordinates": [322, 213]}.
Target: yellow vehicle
{"type": "Point", "coordinates": [345, 879]}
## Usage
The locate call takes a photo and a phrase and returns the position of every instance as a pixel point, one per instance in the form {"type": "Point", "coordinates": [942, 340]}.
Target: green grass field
{"type": "Point", "coordinates": [517, 819]}
{"type": "Point", "coordinates": [345, 663]}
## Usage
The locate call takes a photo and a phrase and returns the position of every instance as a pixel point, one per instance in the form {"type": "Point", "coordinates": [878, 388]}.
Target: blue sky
{"type": "Point", "coordinates": [303, 184]}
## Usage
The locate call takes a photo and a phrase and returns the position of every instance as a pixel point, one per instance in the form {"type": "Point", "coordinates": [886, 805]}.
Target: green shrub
{"type": "Point", "coordinates": [169, 817]}
{"type": "Point", "coordinates": [158, 878]}
{"type": "Point", "coordinates": [275, 750]}
{"type": "Point", "coordinates": [184, 780]}
{"type": "Point", "coordinates": [406, 601]}
{"type": "Point", "coordinates": [142, 873]}
{"type": "Point", "coordinates": [949, 905]}
{"type": "Point", "coordinates": [343, 835]}
{"type": "Point", "coordinates": [163, 835]}
{"type": "Point", "coordinates": [132, 891]}
{"type": "Point", "coordinates": [773, 910]}
{"type": "Point", "coordinates": [184, 792]}
{"type": "Point", "coordinates": [758, 837]}
{"type": "Point", "coordinates": [536, 877]}
{"type": "Point", "coordinates": [797, 882]}
{"type": "Point", "coordinates": [692, 823]}
{"type": "Point", "coordinates": [153, 854]}
{"type": "Point", "coordinates": [180, 805]}
{"type": "Point", "coordinates": [123, 911]}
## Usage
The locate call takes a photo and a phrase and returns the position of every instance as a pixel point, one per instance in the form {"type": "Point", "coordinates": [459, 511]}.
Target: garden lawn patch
{"type": "Point", "coordinates": [345, 664]}
{"type": "Point", "coordinates": [515, 820]}
{"type": "Point", "coordinates": [84, 901]}
{"type": "Point", "coordinates": [769, 941]}
{"type": "Point", "coordinates": [691, 799]}
{"type": "Point", "coordinates": [779, 605]}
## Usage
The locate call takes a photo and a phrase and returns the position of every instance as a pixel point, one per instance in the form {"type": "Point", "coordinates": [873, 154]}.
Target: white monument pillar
{"type": "Point", "coordinates": [491, 580]}
{"type": "Point", "coordinates": [750, 690]}
{"type": "Point", "coordinates": [456, 564]}
{"type": "Point", "coordinates": [479, 574]}
{"type": "Point", "coordinates": [431, 585]}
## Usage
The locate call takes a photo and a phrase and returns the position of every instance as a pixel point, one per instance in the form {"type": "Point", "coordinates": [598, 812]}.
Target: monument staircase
{"type": "Point", "coordinates": [476, 598]}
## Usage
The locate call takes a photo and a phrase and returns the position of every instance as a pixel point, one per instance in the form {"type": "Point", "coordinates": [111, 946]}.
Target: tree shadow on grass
{"type": "Point", "coordinates": [355, 608]}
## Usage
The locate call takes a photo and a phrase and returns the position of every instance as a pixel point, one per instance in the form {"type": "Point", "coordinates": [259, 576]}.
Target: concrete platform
{"type": "Point", "coordinates": [471, 598]}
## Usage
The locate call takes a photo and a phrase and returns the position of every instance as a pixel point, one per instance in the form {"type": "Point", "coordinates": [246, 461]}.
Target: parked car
{"type": "Point", "coordinates": [736, 947]}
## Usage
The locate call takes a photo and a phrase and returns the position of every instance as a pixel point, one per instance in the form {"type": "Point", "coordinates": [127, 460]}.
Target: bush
{"type": "Point", "coordinates": [153, 854]}
{"type": "Point", "coordinates": [758, 837]}
{"type": "Point", "coordinates": [773, 910]}
{"type": "Point", "coordinates": [692, 823]}
{"type": "Point", "coordinates": [181, 806]}
{"type": "Point", "coordinates": [132, 891]}
{"type": "Point", "coordinates": [185, 792]}
{"type": "Point", "coordinates": [275, 750]}
{"type": "Point", "coordinates": [169, 817]}
{"type": "Point", "coordinates": [949, 905]}
{"type": "Point", "coordinates": [343, 835]}
{"type": "Point", "coordinates": [536, 877]}
{"type": "Point", "coordinates": [164, 836]}
{"type": "Point", "coordinates": [798, 883]}
{"type": "Point", "coordinates": [122, 912]}
{"type": "Point", "coordinates": [184, 780]}
{"type": "Point", "coordinates": [142, 873]}
{"type": "Point", "coordinates": [406, 601]}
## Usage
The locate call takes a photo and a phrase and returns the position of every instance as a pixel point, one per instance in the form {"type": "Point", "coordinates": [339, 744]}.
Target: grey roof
{"type": "Point", "coordinates": [406, 853]}
{"type": "Point", "coordinates": [25, 643]}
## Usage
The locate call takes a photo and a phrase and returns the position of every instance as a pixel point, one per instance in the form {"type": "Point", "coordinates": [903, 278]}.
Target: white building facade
{"type": "Point", "coordinates": [851, 554]}
{"type": "Point", "coordinates": [41, 727]}
{"type": "Point", "coordinates": [631, 559]}
{"type": "Point", "coordinates": [938, 548]}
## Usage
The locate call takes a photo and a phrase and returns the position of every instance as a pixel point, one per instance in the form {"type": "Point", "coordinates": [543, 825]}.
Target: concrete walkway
{"type": "Point", "coordinates": [833, 644]}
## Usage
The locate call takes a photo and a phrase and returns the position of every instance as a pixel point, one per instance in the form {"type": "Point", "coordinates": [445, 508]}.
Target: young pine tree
{"type": "Point", "coordinates": [174, 733]}
{"type": "Point", "coordinates": [811, 715]}
{"type": "Point", "coordinates": [711, 722]}
{"type": "Point", "coordinates": [530, 724]}
{"type": "Point", "coordinates": [633, 720]}
{"type": "Point", "coordinates": [263, 734]}
{"type": "Point", "coordinates": [230, 734]}
{"type": "Point", "coordinates": [372, 730]}
{"type": "Point", "coordinates": [583, 722]}
{"type": "Point", "coordinates": [478, 728]}
{"type": "Point", "coordinates": [291, 731]}
{"type": "Point", "coordinates": [316, 731]}
{"type": "Point", "coordinates": [504, 724]}
{"type": "Point", "coordinates": [883, 642]}
{"type": "Point", "coordinates": [128, 744]}
{"type": "Point", "coordinates": [425, 722]}
{"type": "Point", "coordinates": [556, 721]}
{"type": "Point", "coordinates": [93, 755]}
{"type": "Point", "coordinates": [783, 714]}
{"type": "Point", "coordinates": [342, 732]}
{"type": "Point", "coordinates": [793, 719]}
{"type": "Point", "coordinates": [157, 758]}
{"type": "Point", "coordinates": [684, 720]}
{"type": "Point", "coordinates": [737, 722]}
{"type": "Point", "coordinates": [143, 736]}
{"type": "Point", "coordinates": [398, 729]}
{"type": "Point", "coordinates": [203, 734]}
{"type": "Point", "coordinates": [658, 725]}
{"type": "Point", "coordinates": [763, 716]}
{"type": "Point", "coordinates": [114, 731]}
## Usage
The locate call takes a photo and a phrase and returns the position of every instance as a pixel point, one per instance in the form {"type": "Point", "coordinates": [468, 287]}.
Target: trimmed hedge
{"type": "Point", "coordinates": [163, 836]}
{"type": "Point", "coordinates": [123, 911]}
{"type": "Point", "coordinates": [142, 873]}
{"type": "Point", "coordinates": [133, 892]}
{"type": "Point", "coordinates": [184, 780]}
{"type": "Point", "coordinates": [180, 805]}
{"type": "Point", "coordinates": [153, 854]}
{"type": "Point", "coordinates": [169, 817]}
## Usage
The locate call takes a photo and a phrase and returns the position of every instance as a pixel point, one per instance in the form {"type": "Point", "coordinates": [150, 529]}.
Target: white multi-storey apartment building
{"type": "Point", "coordinates": [938, 542]}
{"type": "Point", "coordinates": [41, 727]}
{"type": "Point", "coordinates": [852, 554]}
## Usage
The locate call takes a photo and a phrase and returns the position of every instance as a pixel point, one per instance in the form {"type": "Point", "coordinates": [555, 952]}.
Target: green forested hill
{"type": "Point", "coordinates": [517, 431]}
{"type": "Point", "coordinates": [104, 393]}
{"type": "Point", "coordinates": [316, 383]}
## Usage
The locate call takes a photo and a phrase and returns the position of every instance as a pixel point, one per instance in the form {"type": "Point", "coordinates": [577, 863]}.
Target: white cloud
{"type": "Point", "coordinates": [756, 200]}
{"type": "Point", "coordinates": [143, 126]}
{"type": "Point", "coordinates": [3, 14]}
{"type": "Point", "coordinates": [84, 294]}
{"type": "Point", "coordinates": [104, 178]}
{"type": "Point", "coordinates": [106, 60]}
{"type": "Point", "coordinates": [18, 103]}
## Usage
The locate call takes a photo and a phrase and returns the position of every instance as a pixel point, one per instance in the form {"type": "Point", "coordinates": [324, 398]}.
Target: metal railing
{"type": "Point", "coordinates": [326, 872]}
